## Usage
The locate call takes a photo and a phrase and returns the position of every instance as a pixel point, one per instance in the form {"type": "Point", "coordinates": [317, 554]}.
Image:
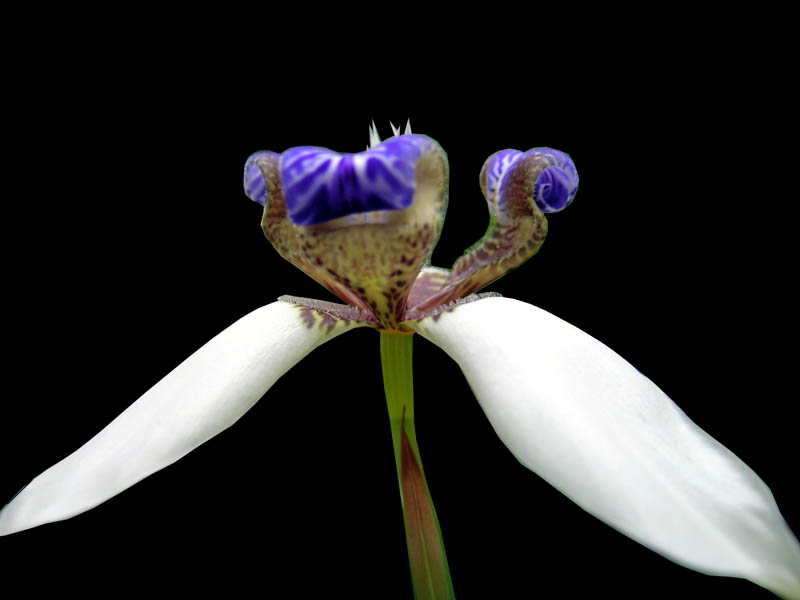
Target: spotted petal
{"type": "Point", "coordinates": [204, 395]}
{"type": "Point", "coordinates": [579, 415]}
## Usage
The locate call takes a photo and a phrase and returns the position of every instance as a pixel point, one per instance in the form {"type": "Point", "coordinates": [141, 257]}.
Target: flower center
{"type": "Point", "coordinates": [364, 225]}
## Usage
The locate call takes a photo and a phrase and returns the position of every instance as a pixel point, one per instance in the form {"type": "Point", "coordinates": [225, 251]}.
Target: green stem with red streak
{"type": "Point", "coordinates": [430, 575]}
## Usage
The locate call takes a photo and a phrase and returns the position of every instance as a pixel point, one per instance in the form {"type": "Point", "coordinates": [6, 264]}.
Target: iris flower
{"type": "Point", "coordinates": [567, 407]}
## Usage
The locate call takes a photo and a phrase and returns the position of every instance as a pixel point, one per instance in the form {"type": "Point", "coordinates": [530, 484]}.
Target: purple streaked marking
{"type": "Point", "coordinates": [556, 185]}
{"type": "Point", "coordinates": [320, 185]}
{"type": "Point", "coordinates": [254, 185]}
{"type": "Point", "coordinates": [501, 161]}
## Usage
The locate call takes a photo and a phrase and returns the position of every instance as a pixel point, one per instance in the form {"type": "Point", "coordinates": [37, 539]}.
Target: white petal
{"type": "Point", "coordinates": [204, 395]}
{"type": "Point", "coordinates": [576, 413]}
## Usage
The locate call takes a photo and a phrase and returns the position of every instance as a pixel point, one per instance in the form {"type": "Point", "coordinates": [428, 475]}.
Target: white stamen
{"type": "Point", "coordinates": [374, 138]}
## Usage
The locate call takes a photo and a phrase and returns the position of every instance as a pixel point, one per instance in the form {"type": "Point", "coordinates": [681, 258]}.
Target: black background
{"type": "Point", "coordinates": [129, 243]}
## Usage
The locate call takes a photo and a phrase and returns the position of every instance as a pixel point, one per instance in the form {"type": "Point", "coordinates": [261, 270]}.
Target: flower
{"type": "Point", "coordinates": [620, 449]}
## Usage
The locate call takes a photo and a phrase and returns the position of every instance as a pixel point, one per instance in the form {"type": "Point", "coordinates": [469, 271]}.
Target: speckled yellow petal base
{"type": "Point", "coordinates": [370, 260]}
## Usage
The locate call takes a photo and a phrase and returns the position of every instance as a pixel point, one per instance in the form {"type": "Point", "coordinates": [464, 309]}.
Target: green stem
{"type": "Point", "coordinates": [429, 572]}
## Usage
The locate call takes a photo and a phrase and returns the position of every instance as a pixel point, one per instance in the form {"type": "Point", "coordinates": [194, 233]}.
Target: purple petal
{"type": "Point", "coordinates": [320, 185]}
{"type": "Point", "coordinates": [556, 185]}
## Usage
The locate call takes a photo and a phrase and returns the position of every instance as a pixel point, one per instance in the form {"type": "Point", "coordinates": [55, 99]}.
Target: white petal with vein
{"type": "Point", "coordinates": [204, 395]}
{"type": "Point", "coordinates": [584, 419]}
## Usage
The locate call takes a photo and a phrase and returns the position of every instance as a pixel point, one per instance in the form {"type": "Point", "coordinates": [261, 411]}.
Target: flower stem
{"type": "Point", "coordinates": [430, 575]}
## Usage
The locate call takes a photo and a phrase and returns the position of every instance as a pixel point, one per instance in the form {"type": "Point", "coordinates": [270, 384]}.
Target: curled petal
{"type": "Point", "coordinates": [203, 396]}
{"type": "Point", "coordinates": [519, 188]}
{"type": "Point", "coordinates": [545, 176]}
{"type": "Point", "coordinates": [556, 186]}
{"type": "Point", "coordinates": [576, 413]}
